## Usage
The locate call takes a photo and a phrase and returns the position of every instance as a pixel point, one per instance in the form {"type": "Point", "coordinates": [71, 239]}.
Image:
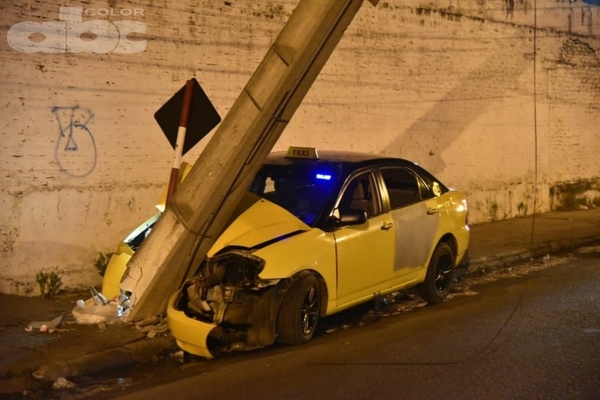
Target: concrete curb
{"type": "Point", "coordinates": [106, 359]}
{"type": "Point", "coordinates": [524, 255]}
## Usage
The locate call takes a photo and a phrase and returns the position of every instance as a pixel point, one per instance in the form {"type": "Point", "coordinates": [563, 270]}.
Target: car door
{"type": "Point", "coordinates": [415, 213]}
{"type": "Point", "coordinates": [365, 252]}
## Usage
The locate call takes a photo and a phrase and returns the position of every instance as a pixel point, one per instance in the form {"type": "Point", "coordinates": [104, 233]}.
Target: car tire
{"type": "Point", "coordinates": [440, 274]}
{"type": "Point", "coordinates": [299, 312]}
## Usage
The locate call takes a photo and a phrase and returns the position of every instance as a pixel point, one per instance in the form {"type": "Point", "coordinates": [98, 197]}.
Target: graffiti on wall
{"type": "Point", "coordinates": [75, 150]}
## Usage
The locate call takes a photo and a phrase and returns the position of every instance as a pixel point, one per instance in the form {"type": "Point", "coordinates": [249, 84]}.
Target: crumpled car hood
{"type": "Point", "coordinates": [257, 221]}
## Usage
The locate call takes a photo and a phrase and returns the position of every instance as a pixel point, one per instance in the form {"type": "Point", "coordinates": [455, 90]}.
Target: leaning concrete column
{"type": "Point", "coordinates": [223, 172]}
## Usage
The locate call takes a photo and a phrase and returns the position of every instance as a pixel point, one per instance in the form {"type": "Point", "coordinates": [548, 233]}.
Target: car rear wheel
{"type": "Point", "coordinates": [299, 312]}
{"type": "Point", "coordinates": [440, 275]}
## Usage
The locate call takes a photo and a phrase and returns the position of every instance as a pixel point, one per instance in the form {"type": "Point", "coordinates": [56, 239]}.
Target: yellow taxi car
{"type": "Point", "coordinates": [316, 234]}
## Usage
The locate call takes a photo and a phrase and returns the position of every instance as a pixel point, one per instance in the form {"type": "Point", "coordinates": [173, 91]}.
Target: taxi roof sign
{"type": "Point", "coordinates": [302, 152]}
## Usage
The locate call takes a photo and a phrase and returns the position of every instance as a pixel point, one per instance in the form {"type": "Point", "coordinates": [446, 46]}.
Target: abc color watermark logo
{"type": "Point", "coordinates": [71, 35]}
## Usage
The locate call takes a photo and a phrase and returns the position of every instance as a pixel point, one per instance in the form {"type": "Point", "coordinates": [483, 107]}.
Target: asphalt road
{"type": "Point", "coordinates": [532, 332]}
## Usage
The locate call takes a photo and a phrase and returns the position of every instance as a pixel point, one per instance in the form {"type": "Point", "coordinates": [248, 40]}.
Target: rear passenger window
{"type": "Point", "coordinates": [402, 186]}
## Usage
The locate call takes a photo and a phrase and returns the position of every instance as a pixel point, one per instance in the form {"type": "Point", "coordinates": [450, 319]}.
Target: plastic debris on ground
{"type": "Point", "coordinates": [45, 326]}
{"type": "Point", "coordinates": [98, 310]}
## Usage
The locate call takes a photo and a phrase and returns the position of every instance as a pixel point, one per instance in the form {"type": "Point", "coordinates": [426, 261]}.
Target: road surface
{"type": "Point", "coordinates": [530, 332]}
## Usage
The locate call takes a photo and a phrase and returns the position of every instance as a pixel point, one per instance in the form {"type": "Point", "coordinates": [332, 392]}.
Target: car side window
{"type": "Point", "coordinates": [360, 194]}
{"type": "Point", "coordinates": [402, 185]}
{"type": "Point", "coordinates": [428, 189]}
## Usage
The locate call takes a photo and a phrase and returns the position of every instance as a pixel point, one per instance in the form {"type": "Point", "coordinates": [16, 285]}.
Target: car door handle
{"type": "Point", "coordinates": [432, 211]}
{"type": "Point", "coordinates": [386, 226]}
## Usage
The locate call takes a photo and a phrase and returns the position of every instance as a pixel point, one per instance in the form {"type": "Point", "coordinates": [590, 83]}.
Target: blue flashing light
{"type": "Point", "coordinates": [324, 177]}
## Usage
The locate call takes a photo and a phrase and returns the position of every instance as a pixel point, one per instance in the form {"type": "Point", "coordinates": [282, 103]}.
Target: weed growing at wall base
{"type": "Point", "coordinates": [49, 282]}
{"type": "Point", "coordinates": [102, 262]}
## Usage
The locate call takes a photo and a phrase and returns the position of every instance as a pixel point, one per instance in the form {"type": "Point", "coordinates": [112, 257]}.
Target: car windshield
{"type": "Point", "coordinates": [300, 188]}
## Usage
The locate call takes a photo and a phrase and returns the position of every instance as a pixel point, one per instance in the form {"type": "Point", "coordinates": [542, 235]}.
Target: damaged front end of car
{"type": "Point", "coordinates": [226, 305]}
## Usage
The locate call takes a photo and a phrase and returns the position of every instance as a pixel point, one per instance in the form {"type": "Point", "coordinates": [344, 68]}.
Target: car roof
{"type": "Point", "coordinates": [335, 157]}
{"type": "Point", "coordinates": [345, 161]}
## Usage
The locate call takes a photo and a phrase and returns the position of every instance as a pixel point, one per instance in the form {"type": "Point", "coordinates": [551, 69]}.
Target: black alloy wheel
{"type": "Point", "coordinates": [299, 313]}
{"type": "Point", "coordinates": [440, 275]}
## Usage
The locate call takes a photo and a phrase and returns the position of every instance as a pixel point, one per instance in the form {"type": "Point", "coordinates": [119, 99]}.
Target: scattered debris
{"type": "Point", "coordinates": [62, 383]}
{"type": "Point", "coordinates": [589, 249]}
{"type": "Point", "coordinates": [39, 374]}
{"type": "Point", "coordinates": [99, 310]}
{"type": "Point", "coordinates": [91, 314]}
{"type": "Point", "coordinates": [98, 297]}
{"type": "Point", "coordinates": [153, 320]}
{"type": "Point", "coordinates": [463, 293]}
{"type": "Point", "coordinates": [153, 326]}
{"type": "Point", "coordinates": [45, 326]}
{"type": "Point", "coordinates": [179, 356]}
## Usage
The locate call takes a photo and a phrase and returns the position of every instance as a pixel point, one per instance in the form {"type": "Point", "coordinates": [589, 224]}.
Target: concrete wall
{"type": "Point", "coordinates": [449, 84]}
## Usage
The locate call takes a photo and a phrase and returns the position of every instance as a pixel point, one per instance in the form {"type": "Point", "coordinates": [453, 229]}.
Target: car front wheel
{"type": "Point", "coordinates": [440, 275]}
{"type": "Point", "coordinates": [299, 312]}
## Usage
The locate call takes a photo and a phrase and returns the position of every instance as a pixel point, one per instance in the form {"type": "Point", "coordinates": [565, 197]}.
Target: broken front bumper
{"type": "Point", "coordinates": [191, 335]}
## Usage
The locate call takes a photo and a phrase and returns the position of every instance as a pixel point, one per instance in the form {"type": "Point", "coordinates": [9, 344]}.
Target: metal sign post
{"type": "Point", "coordinates": [183, 122]}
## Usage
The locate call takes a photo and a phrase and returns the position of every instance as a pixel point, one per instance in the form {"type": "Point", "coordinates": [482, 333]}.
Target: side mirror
{"type": "Point", "coordinates": [352, 217]}
{"type": "Point", "coordinates": [346, 218]}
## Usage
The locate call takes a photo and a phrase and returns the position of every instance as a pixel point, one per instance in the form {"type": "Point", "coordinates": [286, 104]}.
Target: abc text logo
{"type": "Point", "coordinates": [72, 35]}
